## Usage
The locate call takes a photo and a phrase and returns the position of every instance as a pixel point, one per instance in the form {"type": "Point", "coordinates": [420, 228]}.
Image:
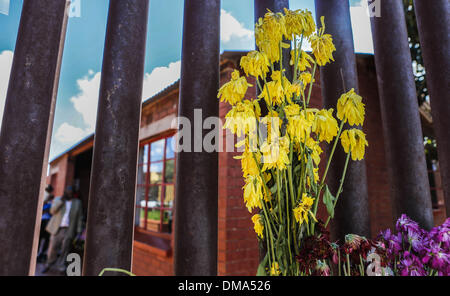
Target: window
{"type": "Point", "coordinates": [156, 188]}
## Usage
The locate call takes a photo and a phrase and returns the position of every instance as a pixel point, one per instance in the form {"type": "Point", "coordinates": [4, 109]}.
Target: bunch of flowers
{"type": "Point", "coordinates": [281, 137]}
{"type": "Point", "coordinates": [413, 251]}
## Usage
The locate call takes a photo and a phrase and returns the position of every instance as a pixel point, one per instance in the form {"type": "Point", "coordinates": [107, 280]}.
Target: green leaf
{"type": "Point", "coordinates": [273, 189]}
{"type": "Point", "coordinates": [262, 266]}
{"type": "Point", "coordinates": [328, 200]}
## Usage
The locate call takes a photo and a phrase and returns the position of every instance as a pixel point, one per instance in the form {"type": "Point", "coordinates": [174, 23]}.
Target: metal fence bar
{"type": "Point", "coordinates": [400, 113]}
{"type": "Point", "coordinates": [197, 172]}
{"type": "Point", "coordinates": [352, 214]}
{"type": "Point", "coordinates": [113, 179]}
{"type": "Point", "coordinates": [433, 21]}
{"type": "Point", "coordinates": [26, 129]}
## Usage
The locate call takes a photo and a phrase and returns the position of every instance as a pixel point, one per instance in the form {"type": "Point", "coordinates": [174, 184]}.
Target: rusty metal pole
{"type": "Point", "coordinates": [26, 130]}
{"type": "Point", "coordinates": [433, 22]}
{"type": "Point", "coordinates": [352, 210]}
{"type": "Point", "coordinates": [113, 179]}
{"type": "Point", "coordinates": [197, 172]}
{"type": "Point", "coordinates": [407, 169]}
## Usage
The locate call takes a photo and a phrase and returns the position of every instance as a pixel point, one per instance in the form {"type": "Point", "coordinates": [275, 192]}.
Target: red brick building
{"type": "Point", "coordinates": [237, 245]}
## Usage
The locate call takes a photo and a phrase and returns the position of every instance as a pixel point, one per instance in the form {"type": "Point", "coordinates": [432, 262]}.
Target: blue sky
{"type": "Point", "coordinates": [82, 60]}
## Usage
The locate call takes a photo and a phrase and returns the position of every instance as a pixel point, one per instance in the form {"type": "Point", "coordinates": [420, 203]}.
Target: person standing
{"type": "Point", "coordinates": [64, 226]}
{"type": "Point", "coordinates": [44, 236]}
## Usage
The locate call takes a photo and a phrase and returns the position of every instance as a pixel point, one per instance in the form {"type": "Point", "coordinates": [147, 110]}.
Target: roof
{"type": "Point", "coordinates": [161, 94]}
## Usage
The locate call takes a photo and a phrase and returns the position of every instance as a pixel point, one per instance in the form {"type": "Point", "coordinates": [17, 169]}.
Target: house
{"type": "Point", "coordinates": [237, 246]}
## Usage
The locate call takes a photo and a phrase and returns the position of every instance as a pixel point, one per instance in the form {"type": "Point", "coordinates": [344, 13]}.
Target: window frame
{"type": "Point", "coordinates": [147, 184]}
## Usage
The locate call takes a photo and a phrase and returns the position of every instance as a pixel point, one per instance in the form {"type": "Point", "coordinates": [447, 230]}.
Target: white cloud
{"type": "Point", "coordinates": [160, 78]}
{"type": "Point", "coordinates": [231, 28]}
{"type": "Point", "coordinates": [6, 58]}
{"type": "Point", "coordinates": [85, 102]}
{"type": "Point", "coordinates": [69, 134]}
{"type": "Point", "coordinates": [362, 32]}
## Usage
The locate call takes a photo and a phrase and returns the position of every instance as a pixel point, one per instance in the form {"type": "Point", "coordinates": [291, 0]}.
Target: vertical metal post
{"type": "Point", "coordinates": [433, 22]}
{"type": "Point", "coordinates": [197, 172]}
{"type": "Point", "coordinates": [352, 213]}
{"type": "Point", "coordinates": [113, 179]}
{"type": "Point", "coordinates": [26, 129]}
{"type": "Point", "coordinates": [400, 113]}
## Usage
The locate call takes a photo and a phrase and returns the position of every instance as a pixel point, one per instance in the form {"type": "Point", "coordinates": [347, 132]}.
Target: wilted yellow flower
{"type": "Point", "coordinates": [269, 32]}
{"type": "Point", "coordinates": [248, 163]}
{"type": "Point", "coordinates": [305, 78]}
{"type": "Point", "coordinates": [303, 210]}
{"type": "Point", "coordinates": [275, 154]}
{"type": "Point", "coordinates": [354, 141]}
{"type": "Point", "coordinates": [242, 118]}
{"type": "Point", "coordinates": [255, 63]}
{"type": "Point", "coordinates": [275, 269]}
{"type": "Point", "coordinates": [234, 90]}
{"type": "Point", "coordinates": [258, 225]}
{"type": "Point", "coordinates": [325, 125]}
{"type": "Point", "coordinates": [299, 122]}
{"type": "Point", "coordinates": [316, 177]}
{"type": "Point", "coordinates": [253, 192]}
{"type": "Point", "coordinates": [275, 91]}
{"type": "Point", "coordinates": [304, 60]}
{"type": "Point", "coordinates": [315, 148]}
{"type": "Point", "coordinates": [322, 46]}
{"type": "Point", "coordinates": [299, 22]}
{"type": "Point", "coordinates": [351, 108]}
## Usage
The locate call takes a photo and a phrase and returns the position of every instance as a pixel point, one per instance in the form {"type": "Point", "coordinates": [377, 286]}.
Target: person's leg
{"type": "Point", "coordinates": [44, 238]}
{"type": "Point", "coordinates": [54, 246]}
{"type": "Point", "coordinates": [65, 249]}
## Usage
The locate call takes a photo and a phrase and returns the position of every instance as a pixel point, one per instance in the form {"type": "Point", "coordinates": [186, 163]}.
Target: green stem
{"type": "Point", "coordinates": [312, 82]}
{"type": "Point", "coordinates": [340, 186]}
{"type": "Point", "coordinates": [116, 270]}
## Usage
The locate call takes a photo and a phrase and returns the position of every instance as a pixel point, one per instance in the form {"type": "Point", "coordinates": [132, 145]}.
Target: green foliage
{"type": "Point", "coordinates": [416, 51]}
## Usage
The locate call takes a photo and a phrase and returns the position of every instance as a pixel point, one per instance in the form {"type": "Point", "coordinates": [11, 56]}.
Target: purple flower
{"type": "Point", "coordinates": [415, 239]}
{"type": "Point", "coordinates": [411, 266]}
{"type": "Point", "coordinates": [436, 257]}
{"type": "Point", "coordinates": [404, 223]}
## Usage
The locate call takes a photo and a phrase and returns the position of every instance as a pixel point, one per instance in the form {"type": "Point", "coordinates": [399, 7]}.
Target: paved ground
{"type": "Point", "coordinates": [51, 272]}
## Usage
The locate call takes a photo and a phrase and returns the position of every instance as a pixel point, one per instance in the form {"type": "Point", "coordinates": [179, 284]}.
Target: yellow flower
{"type": "Point", "coordinates": [275, 91]}
{"type": "Point", "coordinates": [269, 33]}
{"type": "Point", "coordinates": [303, 61]}
{"type": "Point", "coordinates": [234, 90]}
{"type": "Point", "coordinates": [315, 148]}
{"type": "Point", "coordinates": [299, 22]}
{"type": "Point", "coordinates": [305, 78]}
{"type": "Point", "coordinates": [316, 177]}
{"type": "Point", "coordinates": [322, 46]}
{"type": "Point", "coordinates": [258, 225]}
{"type": "Point", "coordinates": [350, 108]}
{"type": "Point", "coordinates": [299, 122]}
{"type": "Point", "coordinates": [325, 125]}
{"type": "Point", "coordinates": [354, 141]}
{"type": "Point", "coordinates": [248, 163]}
{"type": "Point", "coordinates": [275, 269]}
{"type": "Point", "coordinates": [242, 118]}
{"type": "Point", "coordinates": [253, 192]}
{"type": "Point", "coordinates": [255, 63]}
{"type": "Point", "coordinates": [275, 154]}
{"type": "Point", "coordinates": [303, 210]}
